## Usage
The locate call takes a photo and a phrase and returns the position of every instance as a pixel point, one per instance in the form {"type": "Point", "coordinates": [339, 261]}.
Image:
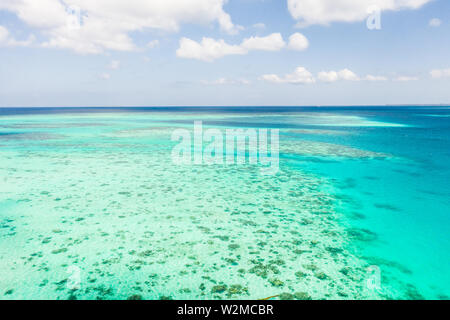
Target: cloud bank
{"type": "Point", "coordinates": [302, 76]}
{"type": "Point", "coordinates": [91, 27]}
{"type": "Point", "coordinates": [210, 49]}
{"type": "Point", "coordinates": [324, 12]}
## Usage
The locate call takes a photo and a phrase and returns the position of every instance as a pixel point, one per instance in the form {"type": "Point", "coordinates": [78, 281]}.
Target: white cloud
{"type": "Point", "coordinates": [333, 76]}
{"type": "Point", "coordinates": [299, 76]}
{"type": "Point", "coordinates": [115, 64]}
{"type": "Point", "coordinates": [309, 12]}
{"type": "Point", "coordinates": [440, 73]}
{"type": "Point", "coordinates": [370, 77]}
{"type": "Point", "coordinates": [44, 14]}
{"type": "Point", "coordinates": [6, 40]}
{"type": "Point", "coordinates": [90, 27]}
{"type": "Point", "coordinates": [208, 50]}
{"type": "Point", "coordinates": [298, 42]}
{"type": "Point", "coordinates": [435, 22]}
{"type": "Point", "coordinates": [405, 78]}
{"type": "Point", "coordinates": [225, 81]}
{"type": "Point", "coordinates": [272, 42]}
{"type": "Point", "coordinates": [244, 81]}
{"type": "Point", "coordinates": [348, 75]}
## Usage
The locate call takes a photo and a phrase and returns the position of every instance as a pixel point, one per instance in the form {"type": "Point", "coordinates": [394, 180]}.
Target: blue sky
{"type": "Point", "coordinates": [152, 53]}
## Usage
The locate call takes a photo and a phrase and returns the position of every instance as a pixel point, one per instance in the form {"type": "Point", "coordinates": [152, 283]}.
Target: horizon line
{"type": "Point", "coordinates": [238, 106]}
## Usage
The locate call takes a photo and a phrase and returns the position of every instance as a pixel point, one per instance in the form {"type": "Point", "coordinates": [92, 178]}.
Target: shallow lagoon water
{"type": "Point", "coordinates": [92, 195]}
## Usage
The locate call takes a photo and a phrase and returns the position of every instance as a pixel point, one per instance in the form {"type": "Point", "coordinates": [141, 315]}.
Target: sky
{"type": "Point", "coordinates": [224, 53]}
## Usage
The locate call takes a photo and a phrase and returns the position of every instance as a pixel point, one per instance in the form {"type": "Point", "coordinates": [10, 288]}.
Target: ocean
{"type": "Point", "coordinates": [92, 205]}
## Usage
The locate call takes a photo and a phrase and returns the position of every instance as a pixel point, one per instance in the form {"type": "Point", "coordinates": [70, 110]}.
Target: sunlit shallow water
{"type": "Point", "coordinates": [92, 207]}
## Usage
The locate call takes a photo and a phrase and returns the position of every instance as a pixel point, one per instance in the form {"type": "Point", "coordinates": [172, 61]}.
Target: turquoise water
{"type": "Point", "coordinates": [92, 206]}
